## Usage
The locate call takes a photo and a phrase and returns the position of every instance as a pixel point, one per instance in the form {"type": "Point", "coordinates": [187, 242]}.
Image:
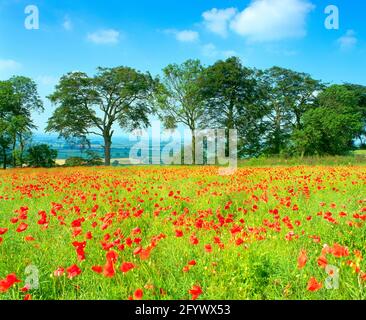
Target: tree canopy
{"type": "Point", "coordinates": [19, 98]}
{"type": "Point", "coordinates": [275, 111]}
{"type": "Point", "coordinates": [94, 105]}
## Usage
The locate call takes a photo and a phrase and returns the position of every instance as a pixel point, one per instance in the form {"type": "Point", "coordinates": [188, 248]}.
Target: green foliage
{"type": "Point", "coordinates": [18, 98]}
{"type": "Point", "coordinates": [286, 96]}
{"type": "Point", "coordinates": [93, 105]}
{"type": "Point", "coordinates": [276, 111]}
{"type": "Point", "coordinates": [178, 95]}
{"type": "Point", "coordinates": [75, 162]}
{"type": "Point", "coordinates": [92, 159]}
{"type": "Point", "coordinates": [229, 89]}
{"type": "Point", "coordinates": [41, 156]}
{"type": "Point", "coordinates": [331, 127]}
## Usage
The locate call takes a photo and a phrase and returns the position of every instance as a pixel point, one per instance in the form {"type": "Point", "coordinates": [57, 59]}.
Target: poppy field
{"type": "Point", "coordinates": [164, 233]}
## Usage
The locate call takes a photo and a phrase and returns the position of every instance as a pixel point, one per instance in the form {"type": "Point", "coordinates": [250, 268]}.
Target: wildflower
{"type": "Point", "coordinates": [195, 292]}
{"type": "Point", "coordinates": [314, 285]}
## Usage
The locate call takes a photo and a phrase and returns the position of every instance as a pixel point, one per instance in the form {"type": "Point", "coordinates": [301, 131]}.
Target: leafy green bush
{"type": "Point", "coordinates": [41, 156]}
{"type": "Point", "coordinates": [75, 162]}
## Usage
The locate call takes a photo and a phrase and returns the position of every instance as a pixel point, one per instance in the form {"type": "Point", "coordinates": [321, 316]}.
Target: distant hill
{"type": "Point", "coordinates": [120, 148]}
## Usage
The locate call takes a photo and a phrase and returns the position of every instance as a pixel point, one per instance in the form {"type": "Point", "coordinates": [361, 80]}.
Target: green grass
{"type": "Point", "coordinates": [263, 266]}
{"type": "Point", "coordinates": [357, 159]}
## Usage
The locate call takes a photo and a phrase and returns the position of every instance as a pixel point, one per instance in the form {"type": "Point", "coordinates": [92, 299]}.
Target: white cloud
{"type": "Point", "coordinates": [348, 41]}
{"type": "Point", "coordinates": [9, 65]}
{"type": "Point", "coordinates": [217, 20]}
{"type": "Point", "coordinates": [106, 36]}
{"type": "Point", "coordinates": [271, 20]}
{"type": "Point", "coordinates": [48, 81]}
{"type": "Point", "coordinates": [211, 51]}
{"type": "Point", "coordinates": [184, 35]}
{"type": "Point", "coordinates": [67, 24]}
{"type": "Point", "coordinates": [187, 36]}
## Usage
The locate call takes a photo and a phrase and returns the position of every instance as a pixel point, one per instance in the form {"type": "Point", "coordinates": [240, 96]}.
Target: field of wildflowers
{"type": "Point", "coordinates": [163, 233]}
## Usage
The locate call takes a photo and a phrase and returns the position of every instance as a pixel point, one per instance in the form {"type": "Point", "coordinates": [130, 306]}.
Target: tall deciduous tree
{"type": "Point", "coordinates": [179, 97]}
{"type": "Point", "coordinates": [15, 119]}
{"type": "Point", "coordinates": [28, 101]}
{"type": "Point", "coordinates": [229, 88]}
{"type": "Point", "coordinates": [360, 92]}
{"type": "Point", "coordinates": [93, 105]}
{"type": "Point", "coordinates": [41, 156]}
{"type": "Point", "coordinates": [6, 102]}
{"type": "Point", "coordinates": [331, 127]}
{"type": "Point", "coordinates": [230, 91]}
{"type": "Point", "coordinates": [288, 95]}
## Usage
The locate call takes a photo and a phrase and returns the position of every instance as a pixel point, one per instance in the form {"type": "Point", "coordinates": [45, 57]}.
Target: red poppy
{"type": "Point", "coordinates": [314, 285]}
{"type": "Point", "coordinates": [73, 271]}
{"type": "Point", "coordinates": [43, 219]}
{"type": "Point", "coordinates": [80, 249]}
{"type": "Point", "coordinates": [108, 270]}
{"type": "Point", "coordinates": [136, 240]}
{"type": "Point", "coordinates": [208, 248]}
{"type": "Point", "coordinates": [178, 233]}
{"type": "Point", "coordinates": [136, 231]}
{"type": "Point", "coordinates": [59, 272]}
{"type": "Point", "coordinates": [303, 258]}
{"type": "Point", "coordinates": [322, 261]}
{"type": "Point", "coordinates": [14, 220]}
{"type": "Point", "coordinates": [137, 251]}
{"type": "Point", "coordinates": [338, 251]}
{"type": "Point", "coordinates": [192, 262]}
{"type": "Point", "coordinates": [8, 282]}
{"type": "Point", "coordinates": [138, 294]}
{"type": "Point", "coordinates": [97, 269]}
{"type": "Point", "coordinates": [22, 227]}
{"type": "Point", "coordinates": [363, 276]}
{"type": "Point", "coordinates": [3, 231]}
{"type": "Point", "coordinates": [29, 238]}
{"type": "Point", "coordinates": [193, 240]}
{"type": "Point", "coordinates": [145, 254]}
{"type": "Point", "coordinates": [186, 269]}
{"type": "Point", "coordinates": [28, 297]}
{"type": "Point", "coordinates": [127, 266]}
{"type": "Point", "coordinates": [112, 256]}
{"type": "Point", "coordinates": [196, 291]}
{"type": "Point", "coordinates": [26, 288]}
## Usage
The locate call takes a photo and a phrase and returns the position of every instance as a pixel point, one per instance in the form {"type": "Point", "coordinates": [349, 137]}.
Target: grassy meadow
{"type": "Point", "coordinates": [163, 233]}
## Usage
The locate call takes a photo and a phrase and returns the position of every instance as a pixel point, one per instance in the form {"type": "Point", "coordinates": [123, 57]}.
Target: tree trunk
{"type": "Point", "coordinates": [107, 150]}
{"type": "Point", "coordinates": [4, 159]}
{"type": "Point", "coordinates": [302, 154]}
{"type": "Point", "coordinates": [13, 153]}
{"type": "Point", "coordinates": [193, 146]}
{"type": "Point", "coordinates": [21, 142]}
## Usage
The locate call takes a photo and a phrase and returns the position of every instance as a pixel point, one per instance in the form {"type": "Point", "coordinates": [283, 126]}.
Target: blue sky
{"type": "Point", "coordinates": [148, 35]}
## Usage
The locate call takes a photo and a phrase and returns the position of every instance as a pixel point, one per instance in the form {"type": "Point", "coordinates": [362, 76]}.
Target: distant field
{"type": "Point", "coordinates": [359, 158]}
{"type": "Point", "coordinates": [184, 232]}
{"type": "Point", "coordinates": [360, 152]}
